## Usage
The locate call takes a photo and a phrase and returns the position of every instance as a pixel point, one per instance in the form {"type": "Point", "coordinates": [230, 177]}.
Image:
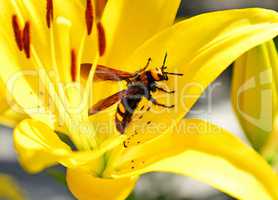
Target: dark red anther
{"type": "Point", "coordinates": [100, 7]}
{"type": "Point", "coordinates": [73, 65]}
{"type": "Point", "coordinates": [101, 39]}
{"type": "Point", "coordinates": [17, 32]}
{"type": "Point", "coordinates": [49, 12]}
{"type": "Point", "coordinates": [89, 16]}
{"type": "Point", "coordinates": [26, 39]}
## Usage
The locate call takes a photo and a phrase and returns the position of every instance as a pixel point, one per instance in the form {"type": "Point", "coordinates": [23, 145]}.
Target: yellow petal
{"type": "Point", "coordinates": [201, 53]}
{"type": "Point", "coordinates": [84, 186]}
{"type": "Point", "coordinates": [39, 147]}
{"type": "Point", "coordinates": [9, 189]}
{"type": "Point", "coordinates": [207, 153]}
{"type": "Point", "coordinates": [128, 24]}
{"type": "Point", "coordinates": [8, 117]}
{"type": "Point", "coordinates": [11, 118]}
{"type": "Point", "coordinates": [22, 83]}
{"type": "Point", "coordinates": [3, 98]}
{"type": "Point", "coordinates": [42, 42]}
{"type": "Point", "coordinates": [254, 92]}
{"type": "Point", "coordinates": [270, 149]}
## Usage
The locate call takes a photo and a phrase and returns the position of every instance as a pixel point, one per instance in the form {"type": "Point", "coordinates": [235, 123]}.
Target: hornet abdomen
{"type": "Point", "coordinates": [125, 111]}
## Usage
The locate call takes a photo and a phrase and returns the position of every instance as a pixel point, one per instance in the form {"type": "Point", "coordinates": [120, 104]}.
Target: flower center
{"type": "Point", "coordinates": [65, 60]}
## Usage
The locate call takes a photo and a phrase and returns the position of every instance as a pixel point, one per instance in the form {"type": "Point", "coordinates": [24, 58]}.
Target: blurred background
{"type": "Point", "coordinates": [215, 107]}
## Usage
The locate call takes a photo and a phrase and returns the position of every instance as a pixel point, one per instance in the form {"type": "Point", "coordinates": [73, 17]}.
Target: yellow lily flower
{"type": "Point", "coordinates": [9, 189]}
{"type": "Point", "coordinates": [254, 96]}
{"type": "Point", "coordinates": [42, 51]}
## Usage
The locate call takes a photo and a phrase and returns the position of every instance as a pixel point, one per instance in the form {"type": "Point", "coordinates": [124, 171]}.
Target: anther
{"type": "Point", "coordinates": [26, 39]}
{"type": "Point", "coordinates": [100, 7]}
{"type": "Point", "coordinates": [73, 65]}
{"type": "Point", "coordinates": [101, 39]}
{"type": "Point", "coordinates": [49, 12]}
{"type": "Point", "coordinates": [17, 32]}
{"type": "Point", "coordinates": [89, 15]}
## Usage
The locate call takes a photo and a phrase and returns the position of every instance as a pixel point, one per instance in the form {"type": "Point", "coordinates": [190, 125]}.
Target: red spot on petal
{"type": "Point", "coordinates": [101, 39]}
{"type": "Point", "coordinates": [73, 65]}
{"type": "Point", "coordinates": [89, 16]}
{"type": "Point", "coordinates": [26, 39]}
{"type": "Point", "coordinates": [17, 32]}
{"type": "Point", "coordinates": [49, 12]}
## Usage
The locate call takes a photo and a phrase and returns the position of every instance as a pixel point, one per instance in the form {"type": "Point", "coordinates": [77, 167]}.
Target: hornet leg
{"type": "Point", "coordinates": [166, 91]}
{"type": "Point", "coordinates": [154, 101]}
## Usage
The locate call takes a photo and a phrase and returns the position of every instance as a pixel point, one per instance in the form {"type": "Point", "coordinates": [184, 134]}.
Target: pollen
{"type": "Point", "coordinates": [26, 39]}
{"type": "Point", "coordinates": [89, 15]}
{"type": "Point", "coordinates": [101, 39]}
{"type": "Point", "coordinates": [17, 32]}
{"type": "Point", "coordinates": [73, 65]}
{"type": "Point", "coordinates": [125, 144]}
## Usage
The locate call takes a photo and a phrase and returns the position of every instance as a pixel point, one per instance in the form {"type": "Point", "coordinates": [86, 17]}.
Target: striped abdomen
{"type": "Point", "coordinates": [125, 111]}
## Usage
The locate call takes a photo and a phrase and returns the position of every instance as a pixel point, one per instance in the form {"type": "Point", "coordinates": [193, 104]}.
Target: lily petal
{"type": "Point", "coordinates": [214, 47]}
{"type": "Point", "coordinates": [254, 92]}
{"type": "Point", "coordinates": [21, 82]}
{"type": "Point", "coordinates": [126, 29]}
{"type": "Point", "coordinates": [39, 147]}
{"type": "Point", "coordinates": [3, 100]}
{"type": "Point", "coordinates": [11, 118]}
{"type": "Point", "coordinates": [207, 153]}
{"type": "Point", "coordinates": [8, 117]}
{"type": "Point", "coordinates": [84, 186]}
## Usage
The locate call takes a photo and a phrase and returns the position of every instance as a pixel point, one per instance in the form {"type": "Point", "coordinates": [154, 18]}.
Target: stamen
{"type": "Point", "coordinates": [26, 39]}
{"type": "Point", "coordinates": [49, 13]}
{"type": "Point", "coordinates": [17, 32]}
{"type": "Point", "coordinates": [73, 65]}
{"type": "Point", "coordinates": [100, 7]}
{"type": "Point", "coordinates": [89, 16]}
{"type": "Point", "coordinates": [101, 39]}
